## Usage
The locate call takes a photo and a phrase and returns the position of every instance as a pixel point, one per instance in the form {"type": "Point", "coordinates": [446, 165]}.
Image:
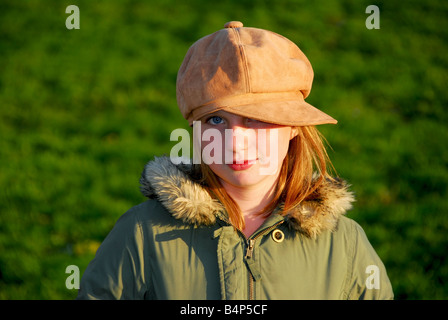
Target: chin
{"type": "Point", "coordinates": [247, 178]}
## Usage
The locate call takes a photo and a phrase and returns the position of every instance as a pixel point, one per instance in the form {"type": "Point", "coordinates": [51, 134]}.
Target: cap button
{"type": "Point", "coordinates": [233, 24]}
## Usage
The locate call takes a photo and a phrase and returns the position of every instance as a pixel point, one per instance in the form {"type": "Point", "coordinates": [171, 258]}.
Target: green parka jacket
{"type": "Point", "coordinates": [180, 245]}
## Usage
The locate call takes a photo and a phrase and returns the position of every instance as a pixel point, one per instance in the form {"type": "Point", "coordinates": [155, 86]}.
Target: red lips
{"type": "Point", "coordinates": [242, 166]}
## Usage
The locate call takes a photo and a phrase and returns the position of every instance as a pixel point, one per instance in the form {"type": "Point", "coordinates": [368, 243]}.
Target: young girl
{"type": "Point", "coordinates": [260, 217]}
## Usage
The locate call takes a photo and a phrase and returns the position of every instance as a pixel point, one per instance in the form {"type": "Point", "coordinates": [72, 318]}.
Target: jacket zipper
{"type": "Point", "coordinates": [250, 250]}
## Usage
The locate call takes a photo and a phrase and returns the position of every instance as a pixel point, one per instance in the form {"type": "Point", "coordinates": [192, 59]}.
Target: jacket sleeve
{"type": "Point", "coordinates": [117, 271]}
{"type": "Point", "coordinates": [367, 277]}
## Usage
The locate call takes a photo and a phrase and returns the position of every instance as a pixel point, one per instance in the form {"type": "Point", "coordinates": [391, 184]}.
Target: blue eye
{"type": "Point", "coordinates": [215, 120]}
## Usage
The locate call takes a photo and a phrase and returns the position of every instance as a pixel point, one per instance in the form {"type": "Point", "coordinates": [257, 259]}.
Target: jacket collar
{"type": "Point", "coordinates": [179, 191]}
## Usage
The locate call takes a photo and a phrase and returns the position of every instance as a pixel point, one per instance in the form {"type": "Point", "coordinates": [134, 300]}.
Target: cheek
{"type": "Point", "coordinates": [211, 146]}
{"type": "Point", "coordinates": [283, 143]}
{"type": "Point", "coordinates": [274, 143]}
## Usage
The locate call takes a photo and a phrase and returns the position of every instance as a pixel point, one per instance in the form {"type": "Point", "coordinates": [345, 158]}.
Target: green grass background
{"type": "Point", "coordinates": [82, 111]}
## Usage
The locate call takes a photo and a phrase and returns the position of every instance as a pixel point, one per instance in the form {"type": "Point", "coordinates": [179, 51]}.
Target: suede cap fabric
{"type": "Point", "coordinates": [250, 72]}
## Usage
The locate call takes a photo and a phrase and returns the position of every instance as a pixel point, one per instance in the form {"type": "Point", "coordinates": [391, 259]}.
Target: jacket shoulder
{"type": "Point", "coordinates": [150, 212]}
{"type": "Point", "coordinates": [120, 267]}
{"type": "Point", "coordinates": [367, 277]}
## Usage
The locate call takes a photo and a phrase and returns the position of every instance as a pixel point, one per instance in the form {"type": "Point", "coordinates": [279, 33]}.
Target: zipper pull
{"type": "Point", "coordinates": [250, 248]}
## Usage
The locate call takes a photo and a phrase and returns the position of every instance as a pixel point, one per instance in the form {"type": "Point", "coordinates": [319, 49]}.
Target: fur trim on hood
{"type": "Point", "coordinates": [178, 189]}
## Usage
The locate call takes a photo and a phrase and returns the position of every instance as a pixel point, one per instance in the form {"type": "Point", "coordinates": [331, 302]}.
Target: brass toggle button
{"type": "Point", "coordinates": [278, 235]}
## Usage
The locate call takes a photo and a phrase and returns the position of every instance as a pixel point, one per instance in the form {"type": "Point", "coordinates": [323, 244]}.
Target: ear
{"type": "Point", "coordinates": [294, 132]}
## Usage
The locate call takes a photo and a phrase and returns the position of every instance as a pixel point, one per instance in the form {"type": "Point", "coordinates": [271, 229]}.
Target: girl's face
{"type": "Point", "coordinates": [243, 152]}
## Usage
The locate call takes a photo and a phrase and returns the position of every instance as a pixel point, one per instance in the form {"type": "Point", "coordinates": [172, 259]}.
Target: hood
{"type": "Point", "coordinates": [178, 189]}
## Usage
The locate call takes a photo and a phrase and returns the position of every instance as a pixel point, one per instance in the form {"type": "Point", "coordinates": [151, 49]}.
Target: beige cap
{"type": "Point", "coordinates": [250, 72]}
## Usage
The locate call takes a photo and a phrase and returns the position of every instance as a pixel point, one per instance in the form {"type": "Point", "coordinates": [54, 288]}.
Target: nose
{"type": "Point", "coordinates": [239, 138]}
{"type": "Point", "coordinates": [241, 142]}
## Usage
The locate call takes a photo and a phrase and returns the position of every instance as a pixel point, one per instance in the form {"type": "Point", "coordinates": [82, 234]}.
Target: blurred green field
{"type": "Point", "coordinates": [82, 111]}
